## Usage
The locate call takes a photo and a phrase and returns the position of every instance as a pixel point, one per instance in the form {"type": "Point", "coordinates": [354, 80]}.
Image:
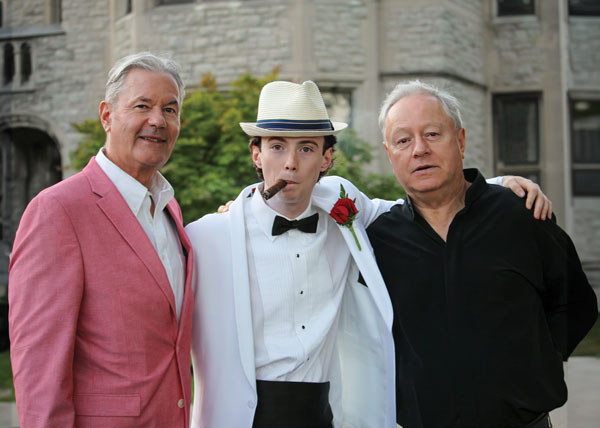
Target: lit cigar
{"type": "Point", "coordinates": [271, 191]}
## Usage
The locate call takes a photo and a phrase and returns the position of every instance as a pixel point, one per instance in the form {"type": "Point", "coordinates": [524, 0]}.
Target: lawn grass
{"type": "Point", "coordinates": [7, 392]}
{"type": "Point", "coordinates": [590, 345]}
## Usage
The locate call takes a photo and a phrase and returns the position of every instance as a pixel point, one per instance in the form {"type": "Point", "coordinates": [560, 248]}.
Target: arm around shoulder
{"type": "Point", "coordinates": [368, 209]}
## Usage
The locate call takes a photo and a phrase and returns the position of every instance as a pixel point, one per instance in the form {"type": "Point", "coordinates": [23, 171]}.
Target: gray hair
{"type": "Point", "coordinates": [146, 61]}
{"type": "Point", "coordinates": [403, 89]}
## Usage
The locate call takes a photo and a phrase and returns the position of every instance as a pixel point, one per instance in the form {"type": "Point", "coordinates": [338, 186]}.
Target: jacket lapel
{"type": "Point", "coordinates": [112, 204]}
{"type": "Point", "coordinates": [241, 284]}
{"type": "Point", "coordinates": [175, 213]}
{"type": "Point", "coordinates": [325, 196]}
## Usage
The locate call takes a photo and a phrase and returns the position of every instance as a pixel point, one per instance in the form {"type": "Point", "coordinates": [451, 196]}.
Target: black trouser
{"type": "Point", "coordinates": [292, 405]}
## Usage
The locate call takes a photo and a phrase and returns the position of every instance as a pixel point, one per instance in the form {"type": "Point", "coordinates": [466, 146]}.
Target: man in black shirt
{"type": "Point", "coordinates": [488, 301]}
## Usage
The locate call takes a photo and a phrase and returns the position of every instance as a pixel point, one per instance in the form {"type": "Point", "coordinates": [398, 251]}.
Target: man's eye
{"type": "Point", "coordinates": [306, 149]}
{"type": "Point", "coordinates": [432, 134]}
{"type": "Point", "coordinates": [170, 110]}
{"type": "Point", "coordinates": [276, 147]}
{"type": "Point", "coordinates": [402, 141]}
{"type": "Point", "coordinates": [141, 106]}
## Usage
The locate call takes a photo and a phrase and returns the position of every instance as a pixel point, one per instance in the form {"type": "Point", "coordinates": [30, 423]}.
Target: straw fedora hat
{"type": "Point", "coordinates": [289, 109]}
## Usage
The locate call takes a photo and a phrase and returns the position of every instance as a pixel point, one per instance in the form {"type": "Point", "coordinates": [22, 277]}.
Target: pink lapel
{"type": "Point", "coordinates": [175, 212]}
{"type": "Point", "coordinates": [118, 212]}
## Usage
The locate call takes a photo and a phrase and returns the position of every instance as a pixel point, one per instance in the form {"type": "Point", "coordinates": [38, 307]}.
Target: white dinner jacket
{"type": "Point", "coordinates": [222, 336]}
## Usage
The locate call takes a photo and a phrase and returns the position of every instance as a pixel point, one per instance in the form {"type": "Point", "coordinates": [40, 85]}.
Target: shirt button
{"type": "Point", "coordinates": [303, 327]}
{"type": "Point", "coordinates": [298, 256]}
{"type": "Point", "coordinates": [301, 291]}
{"type": "Point", "coordinates": [180, 403]}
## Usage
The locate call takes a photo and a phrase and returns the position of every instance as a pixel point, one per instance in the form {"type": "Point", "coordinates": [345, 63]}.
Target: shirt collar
{"type": "Point", "coordinates": [265, 215]}
{"type": "Point", "coordinates": [477, 187]}
{"type": "Point", "coordinates": [132, 190]}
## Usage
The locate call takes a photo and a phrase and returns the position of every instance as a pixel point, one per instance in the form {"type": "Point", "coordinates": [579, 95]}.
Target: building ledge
{"type": "Point", "coordinates": [13, 91]}
{"type": "Point", "coordinates": [31, 31]}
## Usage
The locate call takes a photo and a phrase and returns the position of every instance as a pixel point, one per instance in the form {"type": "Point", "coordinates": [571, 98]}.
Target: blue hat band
{"type": "Point", "coordinates": [295, 125]}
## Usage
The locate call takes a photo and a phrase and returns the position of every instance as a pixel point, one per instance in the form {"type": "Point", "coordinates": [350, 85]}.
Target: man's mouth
{"type": "Point", "coordinates": [423, 168]}
{"type": "Point", "coordinates": [153, 139]}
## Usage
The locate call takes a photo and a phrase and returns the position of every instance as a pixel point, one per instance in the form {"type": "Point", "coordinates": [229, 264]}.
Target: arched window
{"type": "Point", "coordinates": [25, 63]}
{"type": "Point", "coordinates": [9, 63]}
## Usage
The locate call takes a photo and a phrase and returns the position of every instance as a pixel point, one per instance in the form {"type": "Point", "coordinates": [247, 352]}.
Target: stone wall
{"type": "Point", "coordinates": [123, 37]}
{"type": "Point", "coordinates": [433, 36]}
{"type": "Point", "coordinates": [337, 37]}
{"type": "Point", "coordinates": [24, 13]}
{"type": "Point", "coordinates": [520, 61]}
{"type": "Point", "coordinates": [68, 69]}
{"type": "Point", "coordinates": [584, 52]}
{"type": "Point", "coordinates": [226, 39]}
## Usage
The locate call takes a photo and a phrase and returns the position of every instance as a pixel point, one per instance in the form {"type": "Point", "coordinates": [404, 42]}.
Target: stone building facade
{"type": "Point", "coordinates": [527, 72]}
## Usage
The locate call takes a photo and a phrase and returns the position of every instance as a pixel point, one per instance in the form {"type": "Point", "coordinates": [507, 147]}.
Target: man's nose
{"type": "Point", "coordinates": [291, 161]}
{"type": "Point", "coordinates": [421, 146]}
{"type": "Point", "coordinates": [157, 118]}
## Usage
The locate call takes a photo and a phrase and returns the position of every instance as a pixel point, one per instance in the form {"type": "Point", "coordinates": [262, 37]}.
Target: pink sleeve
{"type": "Point", "coordinates": [45, 289]}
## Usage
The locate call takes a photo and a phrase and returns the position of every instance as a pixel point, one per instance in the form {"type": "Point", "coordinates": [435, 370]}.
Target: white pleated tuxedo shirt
{"type": "Point", "coordinates": [160, 229]}
{"type": "Point", "coordinates": [296, 292]}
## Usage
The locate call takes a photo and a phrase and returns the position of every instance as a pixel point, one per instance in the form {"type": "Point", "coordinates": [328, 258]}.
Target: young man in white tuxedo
{"type": "Point", "coordinates": [292, 320]}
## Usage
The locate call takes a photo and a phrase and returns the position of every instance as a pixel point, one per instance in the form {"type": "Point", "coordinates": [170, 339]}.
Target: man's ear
{"type": "Point", "coordinates": [462, 141]}
{"type": "Point", "coordinates": [256, 156]}
{"type": "Point", "coordinates": [105, 115]}
{"type": "Point", "coordinates": [387, 151]}
{"type": "Point", "coordinates": [327, 157]}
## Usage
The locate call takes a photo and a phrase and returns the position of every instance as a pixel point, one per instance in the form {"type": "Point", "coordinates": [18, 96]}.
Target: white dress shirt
{"type": "Point", "coordinates": [296, 291]}
{"type": "Point", "coordinates": [160, 228]}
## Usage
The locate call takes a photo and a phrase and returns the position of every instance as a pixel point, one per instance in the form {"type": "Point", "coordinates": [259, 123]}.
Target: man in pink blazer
{"type": "Point", "coordinates": [99, 278]}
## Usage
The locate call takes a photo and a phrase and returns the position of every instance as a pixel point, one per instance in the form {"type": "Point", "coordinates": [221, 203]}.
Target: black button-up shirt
{"type": "Point", "coordinates": [483, 321]}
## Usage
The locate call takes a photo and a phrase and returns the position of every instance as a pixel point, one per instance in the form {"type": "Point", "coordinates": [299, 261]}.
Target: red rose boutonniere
{"type": "Point", "coordinates": [344, 211]}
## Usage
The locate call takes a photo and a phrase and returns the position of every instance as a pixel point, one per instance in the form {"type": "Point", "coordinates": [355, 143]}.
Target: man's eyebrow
{"type": "Point", "coordinates": [313, 142]}
{"type": "Point", "coordinates": [275, 138]}
{"type": "Point", "coordinates": [407, 127]}
{"type": "Point", "coordinates": [143, 99]}
{"type": "Point", "coordinates": [149, 100]}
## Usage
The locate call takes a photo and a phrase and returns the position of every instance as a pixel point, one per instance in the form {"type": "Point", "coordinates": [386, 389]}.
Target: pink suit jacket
{"type": "Point", "coordinates": [95, 340]}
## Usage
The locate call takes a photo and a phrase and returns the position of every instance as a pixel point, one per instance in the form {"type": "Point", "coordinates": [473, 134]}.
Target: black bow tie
{"type": "Point", "coordinates": [308, 224]}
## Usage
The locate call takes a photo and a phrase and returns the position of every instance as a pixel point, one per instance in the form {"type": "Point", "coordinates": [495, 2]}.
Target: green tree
{"type": "Point", "coordinates": [211, 161]}
{"type": "Point", "coordinates": [93, 139]}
